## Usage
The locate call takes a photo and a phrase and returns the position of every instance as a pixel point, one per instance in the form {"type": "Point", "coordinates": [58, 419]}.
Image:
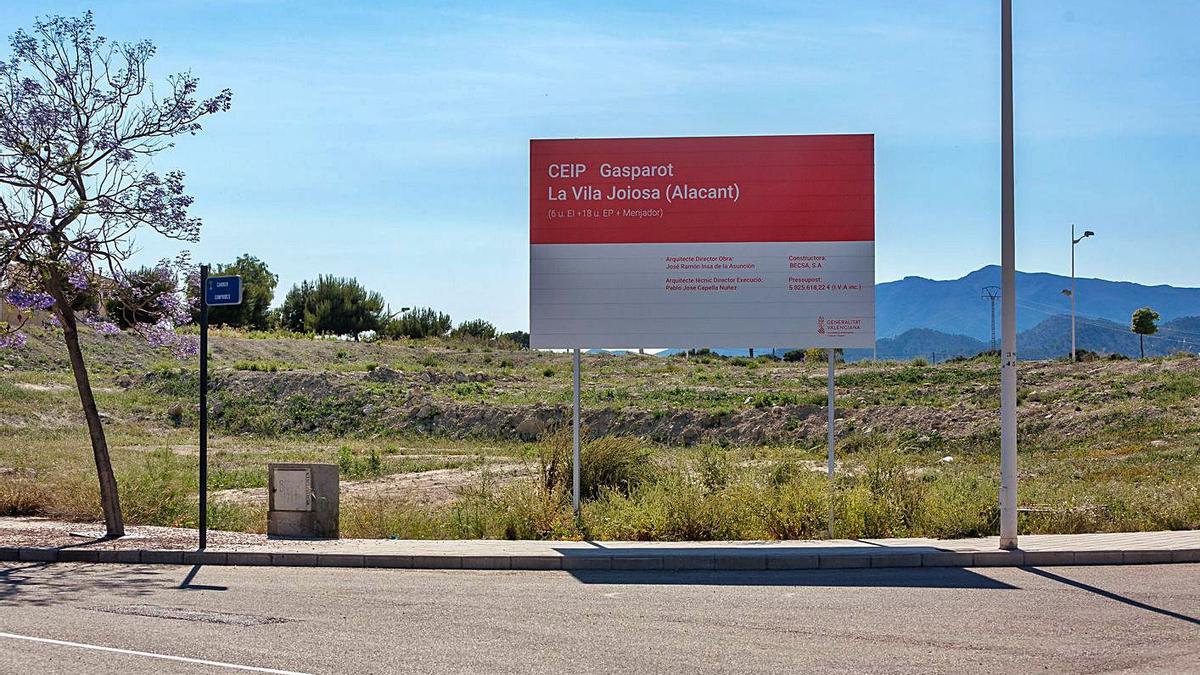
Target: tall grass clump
{"type": "Point", "coordinates": [619, 463]}
{"type": "Point", "coordinates": [160, 490]}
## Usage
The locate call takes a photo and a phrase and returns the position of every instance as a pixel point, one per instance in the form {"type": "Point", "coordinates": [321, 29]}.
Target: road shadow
{"type": "Point", "coordinates": [1110, 595]}
{"type": "Point", "coordinates": [893, 577]}
{"type": "Point", "coordinates": [47, 584]}
{"type": "Point", "coordinates": [188, 583]}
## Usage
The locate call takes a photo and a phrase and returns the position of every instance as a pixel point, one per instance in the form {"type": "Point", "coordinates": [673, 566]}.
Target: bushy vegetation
{"type": "Point", "coordinates": [475, 329]}
{"type": "Point", "coordinates": [332, 306]}
{"type": "Point", "coordinates": [419, 322]}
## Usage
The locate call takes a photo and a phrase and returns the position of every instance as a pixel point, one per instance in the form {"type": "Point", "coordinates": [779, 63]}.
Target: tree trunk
{"type": "Point", "coordinates": [109, 500]}
{"type": "Point", "coordinates": [1142, 344]}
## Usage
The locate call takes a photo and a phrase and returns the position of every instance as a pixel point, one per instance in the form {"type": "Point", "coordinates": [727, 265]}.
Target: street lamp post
{"type": "Point", "coordinates": [1074, 242]}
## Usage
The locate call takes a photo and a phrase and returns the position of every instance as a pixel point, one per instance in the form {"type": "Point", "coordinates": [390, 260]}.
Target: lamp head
{"type": "Point", "coordinates": [1066, 291]}
{"type": "Point", "coordinates": [1089, 233]}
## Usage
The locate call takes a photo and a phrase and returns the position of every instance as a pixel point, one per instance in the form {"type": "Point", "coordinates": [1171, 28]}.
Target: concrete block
{"type": "Point", "coordinates": [204, 558]}
{"type": "Point", "coordinates": [691, 562]}
{"type": "Point", "coordinates": [388, 561]}
{"type": "Point", "coordinates": [486, 562]}
{"type": "Point", "coordinates": [998, 559]}
{"type": "Point", "coordinates": [837, 561]}
{"type": "Point", "coordinates": [340, 560]}
{"type": "Point", "coordinates": [536, 562]}
{"type": "Point", "coordinates": [742, 562]}
{"type": "Point", "coordinates": [437, 562]}
{"type": "Point", "coordinates": [587, 562]}
{"type": "Point", "coordinates": [947, 559]}
{"type": "Point", "coordinates": [895, 560]}
{"type": "Point", "coordinates": [1047, 558]}
{"type": "Point", "coordinates": [90, 555]}
{"type": "Point", "coordinates": [629, 562]}
{"type": "Point", "coordinates": [162, 557]}
{"type": "Point", "coordinates": [294, 559]}
{"type": "Point", "coordinates": [1099, 557]}
{"type": "Point", "coordinates": [302, 500]}
{"type": "Point", "coordinates": [1147, 557]}
{"type": "Point", "coordinates": [38, 555]}
{"type": "Point", "coordinates": [125, 556]}
{"type": "Point", "coordinates": [1186, 555]}
{"type": "Point", "coordinates": [249, 558]}
{"type": "Point", "coordinates": [793, 561]}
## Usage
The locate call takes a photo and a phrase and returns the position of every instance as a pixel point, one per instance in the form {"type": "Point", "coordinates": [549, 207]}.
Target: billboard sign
{"type": "Point", "coordinates": [702, 242]}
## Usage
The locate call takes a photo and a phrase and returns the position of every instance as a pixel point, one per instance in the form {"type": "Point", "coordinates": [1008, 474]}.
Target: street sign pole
{"type": "Point", "coordinates": [214, 291]}
{"type": "Point", "coordinates": [203, 406]}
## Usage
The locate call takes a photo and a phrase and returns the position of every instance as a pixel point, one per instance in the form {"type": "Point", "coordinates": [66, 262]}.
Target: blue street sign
{"type": "Point", "coordinates": [223, 291]}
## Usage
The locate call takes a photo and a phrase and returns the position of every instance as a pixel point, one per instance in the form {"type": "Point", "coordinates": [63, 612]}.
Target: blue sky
{"type": "Point", "coordinates": [389, 141]}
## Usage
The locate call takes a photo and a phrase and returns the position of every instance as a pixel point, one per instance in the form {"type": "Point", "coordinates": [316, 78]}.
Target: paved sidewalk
{"type": "Point", "coordinates": [1069, 549]}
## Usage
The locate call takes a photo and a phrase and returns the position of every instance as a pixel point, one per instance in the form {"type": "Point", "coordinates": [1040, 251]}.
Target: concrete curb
{"type": "Point", "coordinates": [639, 560]}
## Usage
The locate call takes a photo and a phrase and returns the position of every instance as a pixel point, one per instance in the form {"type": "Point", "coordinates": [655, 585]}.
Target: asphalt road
{"type": "Point", "coordinates": [110, 618]}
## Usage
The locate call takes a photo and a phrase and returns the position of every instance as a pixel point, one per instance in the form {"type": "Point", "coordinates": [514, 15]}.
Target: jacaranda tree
{"type": "Point", "coordinates": [80, 123]}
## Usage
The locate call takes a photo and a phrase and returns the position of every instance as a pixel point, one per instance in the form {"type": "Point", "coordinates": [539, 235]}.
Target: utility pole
{"type": "Point", "coordinates": [1008, 291]}
{"type": "Point", "coordinates": [992, 294]}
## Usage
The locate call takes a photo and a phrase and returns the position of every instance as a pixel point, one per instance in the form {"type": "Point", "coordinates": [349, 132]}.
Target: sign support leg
{"type": "Point", "coordinates": [831, 439]}
{"type": "Point", "coordinates": [203, 408]}
{"type": "Point", "coordinates": [575, 441]}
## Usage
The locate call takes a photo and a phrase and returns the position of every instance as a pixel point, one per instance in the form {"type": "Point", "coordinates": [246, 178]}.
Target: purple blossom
{"type": "Point", "coordinates": [14, 340]}
{"type": "Point", "coordinates": [162, 334]}
{"type": "Point", "coordinates": [102, 326]}
{"type": "Point", "coordinates": [29, 300]}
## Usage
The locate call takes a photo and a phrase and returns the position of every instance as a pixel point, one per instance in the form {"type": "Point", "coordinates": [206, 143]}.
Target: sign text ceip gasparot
{"type": "Point", "coordinates": [670, 190]}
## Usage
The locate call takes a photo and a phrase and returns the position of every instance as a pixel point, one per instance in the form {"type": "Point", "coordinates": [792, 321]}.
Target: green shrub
{"type": "Point", "coordinates": [886, 500]}
{"type": "Point", "coordinates": [419, 322]}
{"type": "Point", "coordinates": [798, 508]}
{"type": "Point", "coordinates": [477, 329]}
{"type": "Point", "coordinates": [160, 490]}
{"type": "Point", "coordinates": [618, 463]}
{"type": "Point", "coordinates": [355, 465]}
{"type": "Point", "coordinates": [714, 468]}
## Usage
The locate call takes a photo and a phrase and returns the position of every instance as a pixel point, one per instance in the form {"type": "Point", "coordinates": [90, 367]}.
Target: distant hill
{"type": "Point", "coordinates": [927, 343]}
{"type": "Point", "coordinates": [955, 307]}
{"type": "Point", "coordinates": [1047, 340]}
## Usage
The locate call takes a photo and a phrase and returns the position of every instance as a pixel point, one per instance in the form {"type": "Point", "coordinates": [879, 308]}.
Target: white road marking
{"type": "Point", "coordinates": [168, 657]}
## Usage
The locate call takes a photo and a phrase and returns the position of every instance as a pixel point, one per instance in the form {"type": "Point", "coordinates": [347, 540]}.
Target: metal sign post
{"type": "Point", "coordinates": [203, 407]}
{"type": "Point", "coordinates": [832, 358]}
{"type": "Point", "coordinates": [214, 291]}
{"type": "Point", "coordinates": [575, 445]}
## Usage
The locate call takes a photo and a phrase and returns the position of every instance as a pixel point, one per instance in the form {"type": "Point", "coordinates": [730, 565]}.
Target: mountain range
{"type": "Point", "coordinates": [937, 319]}
{"type": "Point", "coordinates": [957, 306]}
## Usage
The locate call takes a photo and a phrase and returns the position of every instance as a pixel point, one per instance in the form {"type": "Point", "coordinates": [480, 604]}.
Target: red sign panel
{"type": "Point", "coordinates": [716, 189]}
